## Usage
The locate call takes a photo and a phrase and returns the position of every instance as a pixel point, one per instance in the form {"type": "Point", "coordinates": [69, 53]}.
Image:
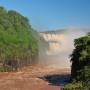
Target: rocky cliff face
{"type": "Point", "coordinates": [60, 46]}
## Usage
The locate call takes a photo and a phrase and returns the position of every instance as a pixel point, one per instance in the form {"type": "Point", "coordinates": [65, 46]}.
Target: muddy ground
{"type": "Point", "coordinates": [36, 77]}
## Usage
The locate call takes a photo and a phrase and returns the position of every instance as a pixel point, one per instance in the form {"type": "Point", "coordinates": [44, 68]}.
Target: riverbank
{"type": "Point", "coordinates": [34, 78]}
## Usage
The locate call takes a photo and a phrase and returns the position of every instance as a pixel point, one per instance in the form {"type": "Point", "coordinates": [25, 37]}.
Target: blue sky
{"type": "Point", "coordinates": [52, 14]}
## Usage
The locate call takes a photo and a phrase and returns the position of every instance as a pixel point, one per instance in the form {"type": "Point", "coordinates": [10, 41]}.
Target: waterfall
{"type": "Point", "coordinates": [60, 46]}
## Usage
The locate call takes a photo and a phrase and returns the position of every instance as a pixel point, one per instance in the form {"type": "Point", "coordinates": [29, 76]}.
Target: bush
{"type": "Point", "coordinates": [5, 68]}
{"type": "Point", "coordinates": [77, 86]}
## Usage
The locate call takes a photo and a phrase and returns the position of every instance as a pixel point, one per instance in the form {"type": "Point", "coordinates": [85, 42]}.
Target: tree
{"type": "Point", "coordinates": [18, 41]}
{"type": "Point", "coordinates": [80, 58]}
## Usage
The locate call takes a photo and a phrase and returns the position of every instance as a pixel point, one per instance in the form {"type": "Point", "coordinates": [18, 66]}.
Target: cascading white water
{"type": "Point", "coordinates": [61, 45]}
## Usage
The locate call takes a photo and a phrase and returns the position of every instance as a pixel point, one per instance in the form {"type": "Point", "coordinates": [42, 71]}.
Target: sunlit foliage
{"type": "Point", "coordinates": [18, 41]}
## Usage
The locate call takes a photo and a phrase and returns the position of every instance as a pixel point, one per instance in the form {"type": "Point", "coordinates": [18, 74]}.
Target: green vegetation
{"type": "Point", "coordinates": [80, 58]}
{"type": "Point", "coordinates": [18, 41]}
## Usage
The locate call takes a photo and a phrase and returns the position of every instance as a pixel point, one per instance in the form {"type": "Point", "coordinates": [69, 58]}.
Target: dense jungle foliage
{"type": "Point", "coordinates": [18, 41]}
{"type": "Point", "coordinates": [80, 58]}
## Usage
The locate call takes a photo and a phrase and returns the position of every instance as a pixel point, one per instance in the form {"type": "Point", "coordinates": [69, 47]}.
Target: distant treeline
{"type": "Point", "coordinates": [80, 69]}
{"type": "Point", "coordinates": [18, 41]}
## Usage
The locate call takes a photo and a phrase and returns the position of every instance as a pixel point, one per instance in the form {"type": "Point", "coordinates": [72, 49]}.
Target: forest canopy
{"type": "Point", "coordinates": [18, 41]}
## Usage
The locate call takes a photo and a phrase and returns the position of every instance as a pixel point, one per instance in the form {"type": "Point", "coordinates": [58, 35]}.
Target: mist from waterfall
{"type": "Point", "coordinates": [61, 45]}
